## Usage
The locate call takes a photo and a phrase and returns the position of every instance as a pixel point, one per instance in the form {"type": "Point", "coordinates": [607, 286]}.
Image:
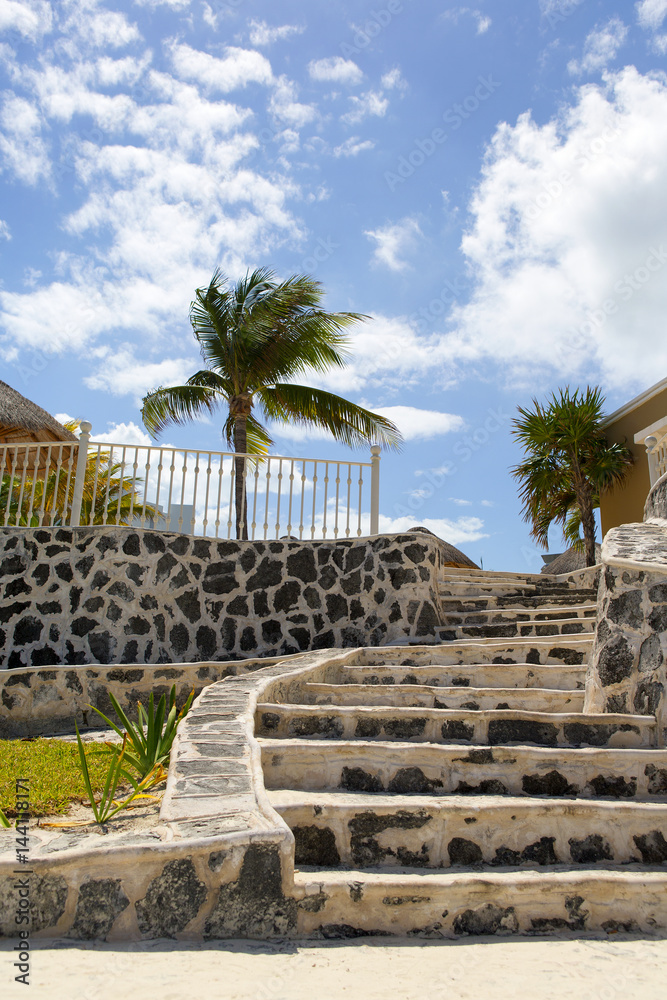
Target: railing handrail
{"type": "Point", "coordinates": [228, 454]}
{"type": "Point", "coordinates": [40, 444]}
{"type": "Point", "coordinates": [338, 486]}
{"type": "Point", "coordinates": [655, 444]}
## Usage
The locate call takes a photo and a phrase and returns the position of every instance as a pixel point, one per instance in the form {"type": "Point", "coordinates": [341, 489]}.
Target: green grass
{"type": "Point", "coordinates": [52, 767]}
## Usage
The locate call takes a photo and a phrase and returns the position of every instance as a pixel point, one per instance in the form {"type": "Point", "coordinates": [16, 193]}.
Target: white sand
{"type": "Point", "coordinates": [615, 968]}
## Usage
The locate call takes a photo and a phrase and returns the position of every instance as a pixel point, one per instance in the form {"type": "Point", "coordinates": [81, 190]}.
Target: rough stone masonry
{"type": "Point", "coordinates": [126, 595]}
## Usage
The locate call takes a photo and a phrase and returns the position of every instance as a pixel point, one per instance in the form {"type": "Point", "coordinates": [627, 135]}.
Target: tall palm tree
{"type": "Point", "coordinates": [255, 336]}
{"type": "Point", "coordinates": [568, 465]}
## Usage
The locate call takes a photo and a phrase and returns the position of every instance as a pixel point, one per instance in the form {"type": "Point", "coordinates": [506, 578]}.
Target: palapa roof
{"type": "Point", "coordinates": [451, 555]}
{"type": "Point", "coordinates": [23, 420]}
{"type": "Point", "coordinates": [570, 561]}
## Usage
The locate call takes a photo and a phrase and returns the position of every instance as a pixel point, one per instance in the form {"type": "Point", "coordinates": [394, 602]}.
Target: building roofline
{"type": "Point", "coordinates": [635, 403]}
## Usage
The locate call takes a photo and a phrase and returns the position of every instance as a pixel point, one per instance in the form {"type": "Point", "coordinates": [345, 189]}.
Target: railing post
{"type": "Point", "coordinates": [375, 489]}
{"type": "Point", "coordinates": [649, 443]}
{"type": "Point", "coordinates": [81, 461]}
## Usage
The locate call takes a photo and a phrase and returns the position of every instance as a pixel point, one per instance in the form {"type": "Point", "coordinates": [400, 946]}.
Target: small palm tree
{"type": "Point", "coordinates": [256, 336]}
{"type": "Point", "coordinates": [568, 465]}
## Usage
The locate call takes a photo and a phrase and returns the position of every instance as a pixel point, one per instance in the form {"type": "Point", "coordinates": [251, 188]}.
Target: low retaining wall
{"type": "Point", "coordinates": [628, 671]}
{"type": "Point", "coordinates": [219, 865]}
{"type": "Point", "coordinates": [49, 701]}
{"type": "Point", "coordinates": [123, 595]}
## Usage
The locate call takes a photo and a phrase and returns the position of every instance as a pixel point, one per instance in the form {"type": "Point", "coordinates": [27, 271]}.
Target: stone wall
{"type": "Point", "coordinates": [124, 595]}
{"type": "Point", "coordinates": [628, 671]}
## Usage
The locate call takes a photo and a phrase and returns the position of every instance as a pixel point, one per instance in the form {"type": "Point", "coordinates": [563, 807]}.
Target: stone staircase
{"type": "Point", "coordinates": [458, 788]}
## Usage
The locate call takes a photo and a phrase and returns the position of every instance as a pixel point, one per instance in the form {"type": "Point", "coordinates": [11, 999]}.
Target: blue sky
{"type": "Point", "coordinates": [489, 183]}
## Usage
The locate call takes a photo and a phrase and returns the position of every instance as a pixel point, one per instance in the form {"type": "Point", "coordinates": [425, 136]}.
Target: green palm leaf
{"type": "Point", "coordinates": [346, 422]}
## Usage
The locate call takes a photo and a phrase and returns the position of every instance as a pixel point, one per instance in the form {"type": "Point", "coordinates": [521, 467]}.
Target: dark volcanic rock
{"type": "Point", "coordinates": [172, 900]}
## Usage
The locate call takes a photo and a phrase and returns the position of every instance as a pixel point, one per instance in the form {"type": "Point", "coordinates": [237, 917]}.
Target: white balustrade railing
{"type": "Point", "coordinates": [37, 483]}
{"type": "Point", "coordinates": [654, 439]}
{"type": "Point", "coordinates": [657, 456]}
{"type": "Point", "coordinates": [187, 490]}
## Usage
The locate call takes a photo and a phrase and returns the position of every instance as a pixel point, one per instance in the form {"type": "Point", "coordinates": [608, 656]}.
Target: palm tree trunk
{"type": "Point", "coordinates": [588, 526]}
{"type": "Point", "coordinates": [240, 407]}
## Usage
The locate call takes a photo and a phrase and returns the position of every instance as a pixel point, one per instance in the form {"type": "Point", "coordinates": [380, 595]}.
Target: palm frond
{"type": "Point", "coordinates": [177, 404]}
{"type": "Point", "coordinates": [351, 424]}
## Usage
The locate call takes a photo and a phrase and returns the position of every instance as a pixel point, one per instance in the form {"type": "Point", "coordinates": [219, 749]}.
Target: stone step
{"type": "Point", "coordinates": [502, 588]}
{"type": "Point", "coordinates": [360, 830]}
{"type": "Point", "coordinates": [407, 768]}
{"type": "Point", "coordinates": [506, 630]}
{"type": "Point", "coordinates": [503, 616]}
{"type": "Point", "coordinates": [424, 696]}
{"type": "Point", "coordinates": [452, 573]}
{"type": "Point", "coordinates": [563, 580]}
{"type": "Point", "coordinates": [481, 575]}
{"type": "Point", "coordinates": [489, 675]}
{"type": "Point", "coordinates": [490, 602]}
{"type": "Point", "coordinates": [456, 903]}
{"type": "Point", "coordinates": [490, 727]}
{"type": "Point", "coordinates": [570, 650]}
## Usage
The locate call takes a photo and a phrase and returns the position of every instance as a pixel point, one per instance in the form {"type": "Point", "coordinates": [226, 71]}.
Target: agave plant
{"type": "Point", "coordinates": [107, 806]}
{"type": "Point", "coordinates": [151, 737]}
{"type": "Point", "coordinates": [4, 821]}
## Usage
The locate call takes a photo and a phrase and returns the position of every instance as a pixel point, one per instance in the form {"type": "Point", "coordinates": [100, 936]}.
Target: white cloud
{"type": "Point", "coordinates": [106, 28]}
{"type": "Point", "coordinates": [460, 503]}
{"type": "Point", "coordinates": [129, 70]}
{"type": "Point", "coordinates": [464, 529]}
{"type": "Point", "coordinates": [174, 4]}
{"type": "Point", "coordinates": [171, 176]}
{"type": "Point", "coordinates": [122, 373]}
{"type": "Point", "coordinates": [651, 13]}
{"type": "Point", "coordinates": [335, 69]}
{"type": "Point", "coordinates": [31, 276]}
{"type": "Point", "coordinates": [393, 80]}
{"type": "Point", "coordinates": [23, 149]}
{"type": "Point", "coordinates": [285, 106]}
{"type": "Point", "coordinates": [487, 503]}
{"type": "Point", "coordinates": [31, 18]}
{"type": "Point", "coordinates": [482, 21]}
{"type": "Point", "coordinates": [600, 47]}
{"type": "Point", "coordinates": [238, 67]}
{"type": "Point", "coordinates": [417, 424]}
{"type": "Point", "coordinates": [393, 241]}
{"type": "Point", "coordinates": [437, 472]}
{"type": "Point", "coordinates": [5, 231]}
{"type": "Point", "coordinates": [124, 433]}
{"type": "Point", "coordinates": [262, 34]}
{"type": "Point", "coordinates": [353, 146]}
{"type": "Point", "coordinates": [388, 355]}
{"type": "Point", "coordinates": [567, 241]}
{"type": "Point", "coordinates": [369, 104]}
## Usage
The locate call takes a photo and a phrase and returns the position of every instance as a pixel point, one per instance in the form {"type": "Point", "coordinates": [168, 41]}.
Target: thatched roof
{"type": "Point", "coordinates": [451, 555]}
{"type": "Point", "coordinates": [23, 420]}
{"type": "Point", "coordinates": [570, 561]}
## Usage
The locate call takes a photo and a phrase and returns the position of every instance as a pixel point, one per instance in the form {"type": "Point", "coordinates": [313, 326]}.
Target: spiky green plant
{"type": "Point", "coordinates": [255, 337]}
{"type": "Point", "coordinates": [569, 464]}
{"type": "Point", "coordinates": [151, 737]}
{"type": "Point", "coordinates": [107, 806]}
